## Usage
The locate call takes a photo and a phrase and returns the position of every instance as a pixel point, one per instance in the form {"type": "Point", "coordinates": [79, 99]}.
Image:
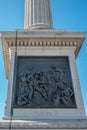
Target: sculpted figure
{"type": "Point", "coordinates": [44, 88]}
{"type": "Point", "coordinates": [53, 78]}
{"type": "Point", "coordinates": [66, 95]}
{"type": "Point", "coordinates": [22, 99]}
{"type": "Point", "coordinates": [40, 85]}
{"type": "Point", "coordinates": [25, 89]}
{"type": "Point", "coordinates": [30, 86]}
{"type": "Point", "coordinates": [56, 80]}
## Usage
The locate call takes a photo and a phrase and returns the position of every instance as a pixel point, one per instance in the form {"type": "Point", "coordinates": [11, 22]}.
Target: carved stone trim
{"type": "Point", "coordinates": [43, 43]}
{"type": "Point", "coordinates": [54, 36]}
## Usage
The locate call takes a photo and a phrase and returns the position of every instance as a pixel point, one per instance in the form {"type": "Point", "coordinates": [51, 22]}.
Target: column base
{"type": "Point", "coordinates": [76, 124]}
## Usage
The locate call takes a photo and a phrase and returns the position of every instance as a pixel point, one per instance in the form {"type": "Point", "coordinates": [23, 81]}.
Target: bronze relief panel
{"type": "Point", "coordinates": [44, 83]}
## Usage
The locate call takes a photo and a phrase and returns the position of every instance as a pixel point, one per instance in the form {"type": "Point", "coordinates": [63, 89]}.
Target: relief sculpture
{"type": "Point", "coordinates": [44, 89]}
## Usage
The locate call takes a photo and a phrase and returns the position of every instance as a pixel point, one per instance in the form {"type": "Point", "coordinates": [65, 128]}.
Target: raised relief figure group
{"type": "Point", "coordinates": [43, 89]}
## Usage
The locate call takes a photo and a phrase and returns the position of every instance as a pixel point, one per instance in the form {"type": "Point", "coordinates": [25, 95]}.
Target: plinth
{"type": "Point", "coordinates": [44, 90]}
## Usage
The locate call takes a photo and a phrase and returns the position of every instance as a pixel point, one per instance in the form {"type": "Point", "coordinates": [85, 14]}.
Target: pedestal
{"type": "Point", "coordinates": [43, 55]}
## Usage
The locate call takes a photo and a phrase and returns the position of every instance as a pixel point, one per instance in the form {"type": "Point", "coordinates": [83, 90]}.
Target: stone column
{"type": "Point", "coordinates": [37, 14]}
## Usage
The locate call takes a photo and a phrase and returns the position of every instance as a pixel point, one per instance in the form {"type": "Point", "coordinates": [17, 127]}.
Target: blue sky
{"type": "Point", "coordinates": [67, 14]}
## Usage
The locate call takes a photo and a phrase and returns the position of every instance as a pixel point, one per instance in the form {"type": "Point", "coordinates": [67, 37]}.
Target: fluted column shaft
{"type": "Point", "coordinates": [37, 14]}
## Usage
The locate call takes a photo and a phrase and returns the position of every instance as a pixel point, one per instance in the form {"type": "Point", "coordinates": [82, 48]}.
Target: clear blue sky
{"type": "Point", "coordinates": [67, 14]}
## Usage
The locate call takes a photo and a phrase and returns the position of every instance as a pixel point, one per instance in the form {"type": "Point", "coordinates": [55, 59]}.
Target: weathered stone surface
{"type": "Point", "coordinates": [41, 51]}
{"type": "Point", "coordinates": [48, 43]}
{"type": "Point", "coordinates": [33, 38]}
{"type": "Point", "coordinates": [44, 124]}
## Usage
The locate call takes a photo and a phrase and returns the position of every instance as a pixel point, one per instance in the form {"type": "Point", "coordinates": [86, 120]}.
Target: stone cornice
{"type": "Point", "coordinates": [42, 34]}
{"type": "Point", "coordinates": [34, 38]}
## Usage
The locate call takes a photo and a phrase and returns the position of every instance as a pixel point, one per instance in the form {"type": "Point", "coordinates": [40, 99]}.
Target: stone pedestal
{"type": "Point", "coordinates": [43, 91]}
{"type": "Point", "coordinates": [48, 44]}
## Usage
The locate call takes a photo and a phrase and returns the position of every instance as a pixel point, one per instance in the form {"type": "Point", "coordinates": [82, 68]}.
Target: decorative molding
{"type": "Point", "coordinates": [71, 124]}
{"type": "Point", "coordinates": [39, 38]}
{"type": "Point", "coordinates": [42, 33]}
{"type": "Point", "coordinates": [43, 43]}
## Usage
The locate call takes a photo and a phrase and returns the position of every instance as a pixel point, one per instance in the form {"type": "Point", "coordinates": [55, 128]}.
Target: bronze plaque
{"type": "Point", "coordinates": [44, 83]}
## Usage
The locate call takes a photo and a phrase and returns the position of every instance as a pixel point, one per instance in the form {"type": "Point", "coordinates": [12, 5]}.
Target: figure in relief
{"type": "Point", "coordinates": [40, 84]}
{"type": "Point", "coordinates": [25, 89]}
{"type": "Point", "coordinates": [48, 87]}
